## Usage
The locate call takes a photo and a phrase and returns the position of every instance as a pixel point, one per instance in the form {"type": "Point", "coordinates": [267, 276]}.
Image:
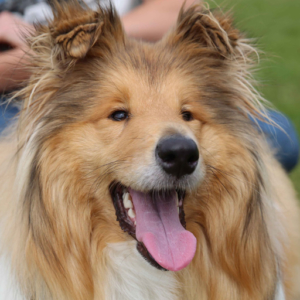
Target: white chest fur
{"type": "Point", "coordinates": [280, 292]}
{"type": "Point", "coordinates": [130, 277]}
{"type": "Point", "coordinates": [8, 287]}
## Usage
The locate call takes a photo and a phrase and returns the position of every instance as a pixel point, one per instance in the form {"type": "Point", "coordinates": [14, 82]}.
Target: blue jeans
{"type": "Point", "coordinates": [285, 142]}
{"type": "Point", "coordinates": [7, 112]}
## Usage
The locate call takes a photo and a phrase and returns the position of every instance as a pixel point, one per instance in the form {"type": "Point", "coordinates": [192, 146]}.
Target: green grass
{"type": "Point", "coordinates": [276, 25]}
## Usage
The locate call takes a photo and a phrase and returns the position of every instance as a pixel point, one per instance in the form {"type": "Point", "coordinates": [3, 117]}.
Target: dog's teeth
{"type": "Point", "coordinates": [178, 209]}
{"type": "Point", "coordinates": [131, 213]}
{"type": "Point", "coordinates": [127, 200]}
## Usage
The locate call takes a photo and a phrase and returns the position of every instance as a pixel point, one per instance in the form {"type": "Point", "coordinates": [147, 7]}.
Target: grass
{"type": "Point", "coordinates": [276, 26]}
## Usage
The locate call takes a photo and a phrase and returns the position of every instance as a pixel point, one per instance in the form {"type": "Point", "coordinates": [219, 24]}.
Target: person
{"type": "Point", "coordinates": [148, 20]}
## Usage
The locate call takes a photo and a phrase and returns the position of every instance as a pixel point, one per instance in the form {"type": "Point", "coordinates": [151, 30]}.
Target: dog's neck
{"type": "Point", "coordinates": [130, 277]}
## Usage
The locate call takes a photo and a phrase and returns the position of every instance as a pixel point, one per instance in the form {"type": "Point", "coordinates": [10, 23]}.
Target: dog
{"type": "Point", "coordinates": [134, 172]}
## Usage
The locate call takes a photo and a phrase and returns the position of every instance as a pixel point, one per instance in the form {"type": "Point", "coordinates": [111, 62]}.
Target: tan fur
{"type": "Point", "coordinates": [58, 165]}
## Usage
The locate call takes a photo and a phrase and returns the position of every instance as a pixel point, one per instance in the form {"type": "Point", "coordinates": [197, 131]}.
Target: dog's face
{"type": "Point", "coordinates": [143, 138]}
{"type": "Point", "coordinates": [135, 132]}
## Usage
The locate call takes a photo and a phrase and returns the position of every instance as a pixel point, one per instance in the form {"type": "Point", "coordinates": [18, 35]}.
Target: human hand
{"type": "Point", "coordinates": [13, 63]}
{"type": "Point", "coordinates": [11, 30]}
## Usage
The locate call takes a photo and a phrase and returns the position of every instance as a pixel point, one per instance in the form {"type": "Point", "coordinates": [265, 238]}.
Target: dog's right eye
{"type": "Point", "coordinates": [119, 115]}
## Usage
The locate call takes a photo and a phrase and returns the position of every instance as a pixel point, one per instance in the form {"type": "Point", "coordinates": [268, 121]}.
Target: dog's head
{"type": "Point", "coordinates": [128, 140]}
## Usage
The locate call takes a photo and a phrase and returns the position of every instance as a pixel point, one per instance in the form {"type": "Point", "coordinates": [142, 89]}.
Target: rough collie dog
{"type": "Point", "coordinates": [134, 172]}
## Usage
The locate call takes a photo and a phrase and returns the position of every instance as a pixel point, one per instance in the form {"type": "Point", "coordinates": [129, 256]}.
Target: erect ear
{"type": "Point", "coordinates": [78, 41]}
{"type": "Point", "coordinates": [214, 31]}
{"type": "Point", "coordinates": [76, 29]}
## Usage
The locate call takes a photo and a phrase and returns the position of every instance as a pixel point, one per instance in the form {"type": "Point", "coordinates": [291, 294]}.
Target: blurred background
{"type": "Point", "coordinates": [275, 24]}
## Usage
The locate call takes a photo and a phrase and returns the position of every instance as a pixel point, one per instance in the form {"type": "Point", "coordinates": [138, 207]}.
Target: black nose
{"type": "Point", "coordinates": [177, 155]}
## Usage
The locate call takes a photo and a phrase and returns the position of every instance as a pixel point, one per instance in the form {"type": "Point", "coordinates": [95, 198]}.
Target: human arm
{"type": "Point", "coordinates": [152, 19]}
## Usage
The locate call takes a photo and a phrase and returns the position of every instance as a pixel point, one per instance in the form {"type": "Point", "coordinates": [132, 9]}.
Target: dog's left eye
{"type": "Point", "coordinates": [119, 115]}
{"type": "Point", "coordinates": [187, 116]}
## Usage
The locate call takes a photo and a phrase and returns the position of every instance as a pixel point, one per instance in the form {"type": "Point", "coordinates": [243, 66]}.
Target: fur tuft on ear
{"type": "Point", "coordinates": [75, 28]}
{"type": "Point", "coordinates": [214, 31]}
{"type": "Point", "coordinates": [77, 42]}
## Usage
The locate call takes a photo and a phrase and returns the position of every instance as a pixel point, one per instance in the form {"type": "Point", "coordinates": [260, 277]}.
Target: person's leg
{"type": "Point", "coordinates": [7, 112]}
{"type": "Point", "coordinates": [284, 141]}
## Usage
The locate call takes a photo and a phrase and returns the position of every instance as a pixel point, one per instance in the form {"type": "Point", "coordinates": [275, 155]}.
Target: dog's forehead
{"type": "Point", "coordinates": [146, 78]}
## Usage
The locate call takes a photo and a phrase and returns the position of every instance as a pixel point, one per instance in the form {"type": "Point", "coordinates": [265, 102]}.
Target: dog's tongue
{"type": "Point", "coordinates": [159, 228]}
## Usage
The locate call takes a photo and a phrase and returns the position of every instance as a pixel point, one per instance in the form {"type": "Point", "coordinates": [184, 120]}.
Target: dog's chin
{"type": "Point", "coordinates": [156, 220]}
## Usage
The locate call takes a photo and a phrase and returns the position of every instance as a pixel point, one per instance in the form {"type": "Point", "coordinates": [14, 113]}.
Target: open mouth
{"type": "Point", "coordinates": [156, 220]}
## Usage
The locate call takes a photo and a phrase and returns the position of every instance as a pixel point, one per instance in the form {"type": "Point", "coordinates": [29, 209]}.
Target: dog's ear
{"type": "Point", "coordinates": [214, 31]}
{"type": "Point", "coordinates": [76, 30]}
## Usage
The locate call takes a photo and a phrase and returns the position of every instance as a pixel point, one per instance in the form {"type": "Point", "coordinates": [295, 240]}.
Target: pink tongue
{"type": "Point", "coordinates": [159, 228]}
